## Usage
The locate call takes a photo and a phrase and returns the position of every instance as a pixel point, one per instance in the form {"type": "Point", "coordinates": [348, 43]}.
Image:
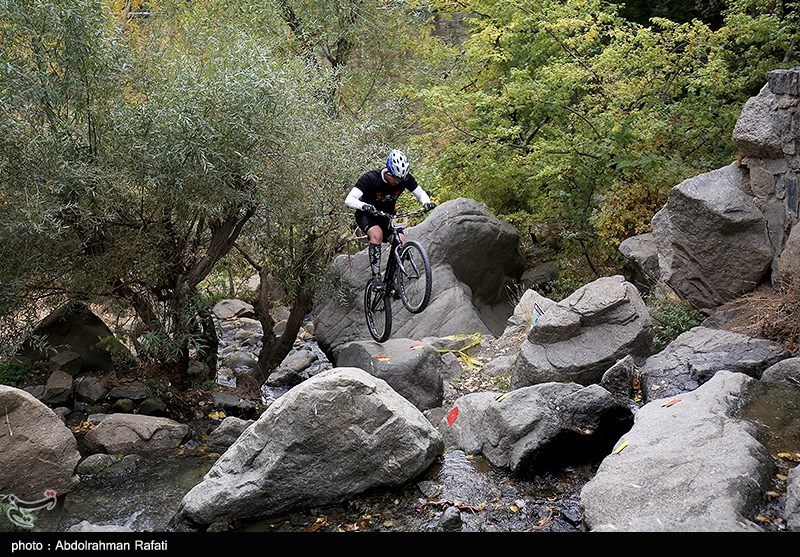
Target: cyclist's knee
{"type": "Point", "coordinates": [375, 235]}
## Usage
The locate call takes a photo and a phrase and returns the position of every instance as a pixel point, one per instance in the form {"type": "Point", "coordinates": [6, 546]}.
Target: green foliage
{"type": "Point", "coordinates": [14, 374]}
{"type": "Point", "coordinates": [670, 319]}
{"type": "Point", "coordinates": [576, 122]}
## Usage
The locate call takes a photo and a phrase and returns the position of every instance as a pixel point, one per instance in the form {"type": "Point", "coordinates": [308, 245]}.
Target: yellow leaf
{"type": "Point", "coordinates": [503, 397]}
{"type": "Point", "coordinates": [388, 524]}
{"type": "Point", "coordinates": [620, 448]}
{"type": "Point", "coordinates": [397, 501]}
{"type": "Point", "coordinates": [514, 508]}
{"type": "Point", "coordinates": [762, 518]}
{"type": "Point", "coordinates": [782, 477]}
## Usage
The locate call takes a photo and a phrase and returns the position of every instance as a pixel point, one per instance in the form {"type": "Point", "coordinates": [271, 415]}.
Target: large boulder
{"type": "Point", "coordinates": [469, 293]}
{"type": "Point", "coordinates": [642, 253]}
{"type": "Point", "coordinates": [338, 434]}
{"type": "Point", "coordinates": [583, 335]}
{"type": "Point", "coordinates": [696, 355]}
{"type": "Point", "coordinates": [37, 451]}
{"type": "Point", "coordinates": [539, 426]}
{"type": "Point", "coordinates": [686, 465]}
{"type": "Point", "coordinates": [133, 433]}
{"type": "Point", "coordinates": [712, 240]}
{"type": "Point", "coordinates": [73, 327]}
{"type": "Point", "coordinates": [413, 369]}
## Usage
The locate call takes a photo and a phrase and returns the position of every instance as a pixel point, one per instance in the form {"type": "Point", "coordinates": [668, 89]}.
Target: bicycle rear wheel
{"type": "Point", "coordinates": [378, 311]}
{"type": "Point", "coordinates": [414, 277]}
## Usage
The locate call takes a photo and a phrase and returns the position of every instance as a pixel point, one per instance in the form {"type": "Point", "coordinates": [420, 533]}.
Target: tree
{"type": "Point", "coordinates": [573, 122]}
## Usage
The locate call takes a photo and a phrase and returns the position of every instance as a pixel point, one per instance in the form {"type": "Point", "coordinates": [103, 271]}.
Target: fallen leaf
{"type": "Point", "coordinates": [671, 402]}
{"type": "Point", "coordinates": [382, 358]}
{"type": "Point", "coordinates": [416, 346]}
{"type": "Point", "coordinates": [762, 518]}
{"type": "Point", "coordinates": [388, 524]}
{"type": "Point", "coordinates": [503, 397]}
{"type": "Point", "coordinates": [782, 477]}
{"type": "Point", "coordinates": [620, 448]}
{"type": "Point", "coordinates": [794, 457]}
{"type": "Point", "coordinates": [514, 508]}
{"type": "Point", "coordinates": [655, 387]}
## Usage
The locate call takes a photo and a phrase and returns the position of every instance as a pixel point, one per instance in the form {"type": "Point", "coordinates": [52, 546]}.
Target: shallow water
{"type": "Point", "coordinates": [143, 500]}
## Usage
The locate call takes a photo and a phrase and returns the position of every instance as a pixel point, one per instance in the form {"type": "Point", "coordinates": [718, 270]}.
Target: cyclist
{"type": "Point", "coordinates": [379, 190]}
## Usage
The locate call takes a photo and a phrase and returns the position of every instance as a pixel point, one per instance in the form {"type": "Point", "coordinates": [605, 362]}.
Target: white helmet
{"type": "Point", "coordinates": [397, 164]}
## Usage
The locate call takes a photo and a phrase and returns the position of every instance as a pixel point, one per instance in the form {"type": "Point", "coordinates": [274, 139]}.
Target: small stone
{"type": "Point", "coordinates": [451, 519]}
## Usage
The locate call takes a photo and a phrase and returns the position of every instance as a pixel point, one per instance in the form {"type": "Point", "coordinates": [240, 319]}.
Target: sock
{"type": "Point", "coordinates": [375, 259]}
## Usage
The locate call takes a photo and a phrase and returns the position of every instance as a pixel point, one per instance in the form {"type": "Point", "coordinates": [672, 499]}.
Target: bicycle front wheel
{"type": "Point", "coordinates": [414, 277]}
{"type": "Point", "coordinates": [378, 311]}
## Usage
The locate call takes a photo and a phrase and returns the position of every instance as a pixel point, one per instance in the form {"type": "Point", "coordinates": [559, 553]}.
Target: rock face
{"type": "Point", "coordinates": [340, 433]}
{"type": "Point", "coordinates": [227, 433]}
{"type": "Point", "coordinates": [542, 425]}
{"type": "Point", "coordinates": [75, 327]}
{"type": "Point", "coordinates": [642, 252]}
{"type": "Point", "coordinates": [411, 368]}
{"type": "Point", "coordinates": [37, 451]}
{"type": "Point", "coordinates": [690, 466]}
{"type": "Point", "coordinates": [712, 239]}
{"type": "Point", "coordinates": [583, 335]}
{"type": "Point", "coordinates": [787, 371]}
{"type": "Point", "coordinates": [133, 433]}
{"type": "Point", "coordinates": [722, 232]}
{"type": "Point", "coordinates": [696, 355]}
{"type": "Point", "coordinates": [469, 293]}
{"type": "Point", "coordinates": [792, 509]}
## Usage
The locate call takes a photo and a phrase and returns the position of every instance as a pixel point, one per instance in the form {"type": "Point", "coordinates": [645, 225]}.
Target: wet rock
{"type": "Point", "coordinates": [94, 464]}
{"type": "Point", "coordinates": [457, 478]}
{"type": "Point", "coordinates": [153, 407]}
{"type": "Point", "coordinates": [451, 520]}
{"type": "Point", "coordinates": [232, 404]}
{"type": "Point", "coordinates": [86, 526]}
{"type": "Point", "coordinates": [787, 370]}
{"type": "Point", "coordinates": [133, 433]}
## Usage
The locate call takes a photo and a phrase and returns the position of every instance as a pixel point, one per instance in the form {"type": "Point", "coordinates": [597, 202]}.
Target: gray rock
{"type": "Point", "coordinates": [642, 252]}
{"type": "Point", "coordinates": [96, 418]}
{"type": "Point", "coordinates": [500, 366]}
{"type": "Point", "coordinates": [290, 372]}
{"type": "Point", "coordinates": [90, 388]}
{"type": "Point", "coordinates": [229, 309]}
{"type": "Point", "coordinates": [96, 463]}
{"type": "Point", "coordinates": [527, 311]}
{"type": "Point", "coordinates": [540, 275]}
{"type": "Point", "coordinates": [339, 434]}
{"type": "Point", "coordinates": [133, 390]}
{"type": "Point", "coordinates": [198, 369]}
{"type": "Point", "coordinates": [790, 260]}
{"type": "Point", "coordinates": [226, 433]}
{"type": "Point", "coordinates": [620, 379]}
{"type": "Point", "coordinates": [233, 404]}
{"type": "Point", "coordinates": [62, 412]}
{"type": "Point", "coordinates": [38, 451]}
{"type": "Point", "coordinates": [757, 132]}
{"type": "Point", "coordinates": [36, 391]}
{"type": "Point", "coordinates": [583, 335]}
{"type": "Point", "coordinates": [450, 520]}
{"type": "Point", "coordinates": [791, 511]}
{"type": "Point", "coordinates": [75, 327]}
{"type": "Point", "coordinates": [240, 359]}
{"type": "Point", "coordinates": [411, 368]}
{"type": "Point", "coordinates": [153, 407]}
{"type": "Point", "coordinates": [58, 388]}
{"type": "Point", "coordinates": [123, 406]}
{"type": "Point", "coordinates": [457, 478]}
{"type": "Point", "coordinates": [691, 466]}
{"type": "Point", "coordinates": [735, 252]}
{"type": "Point", "coordinates": [538, 426]}
{"type": "Point", "coordinates": [86, 526]}
{"type": "Point", "coordinates": [469, 294]}
{"type": "Point", "coordinates": [696, 355]}
{"type": "Point", "coordinates": [787, 371]}
{"type": "Point", "coordinates": [67, 361]}
{"type": "Point", "coordinates": [133, 433]}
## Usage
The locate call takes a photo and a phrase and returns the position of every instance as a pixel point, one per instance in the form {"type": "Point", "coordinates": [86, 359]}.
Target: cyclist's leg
{"type": "Point", "coordinates": [371, 226]}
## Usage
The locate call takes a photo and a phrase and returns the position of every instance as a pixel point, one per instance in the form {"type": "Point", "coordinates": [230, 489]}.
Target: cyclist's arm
{"type": "Point", "coordinates": [421, 196]}
{"type": "Point", "coordinates": [353, 199]}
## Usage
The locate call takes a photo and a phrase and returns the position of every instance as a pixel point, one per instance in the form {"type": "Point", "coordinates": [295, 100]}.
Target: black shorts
{"type": "Point", "coordinates": [365, 221]}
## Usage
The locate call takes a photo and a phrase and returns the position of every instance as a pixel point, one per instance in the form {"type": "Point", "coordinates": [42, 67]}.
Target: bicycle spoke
{"type": "Point", "coordinates": [414, 277]}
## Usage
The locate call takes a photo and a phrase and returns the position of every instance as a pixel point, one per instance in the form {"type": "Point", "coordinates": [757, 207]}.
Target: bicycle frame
{"type": "Point", "coordinates": [396, 244]}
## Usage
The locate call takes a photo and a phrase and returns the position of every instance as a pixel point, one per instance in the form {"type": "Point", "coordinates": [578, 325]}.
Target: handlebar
{"type": "Point", "coordinates": [400, 215]}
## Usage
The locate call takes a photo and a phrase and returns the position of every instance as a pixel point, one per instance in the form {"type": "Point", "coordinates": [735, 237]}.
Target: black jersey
{"type": "Point", "coordinates": [380, 194]}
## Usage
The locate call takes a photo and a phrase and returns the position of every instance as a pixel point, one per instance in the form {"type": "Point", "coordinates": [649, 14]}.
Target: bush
{"type": "Point", "coordinates": [13, 374]}
{"type": "Point", "coordinates": [671, 317]}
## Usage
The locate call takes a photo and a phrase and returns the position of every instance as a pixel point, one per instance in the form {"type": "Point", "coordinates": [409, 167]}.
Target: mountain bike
{"type": "Point", "coordinates": [407, 278]}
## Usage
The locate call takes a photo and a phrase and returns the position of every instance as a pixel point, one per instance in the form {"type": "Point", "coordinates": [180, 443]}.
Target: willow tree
{"type": "Point", "coordinates": [134, 153]}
